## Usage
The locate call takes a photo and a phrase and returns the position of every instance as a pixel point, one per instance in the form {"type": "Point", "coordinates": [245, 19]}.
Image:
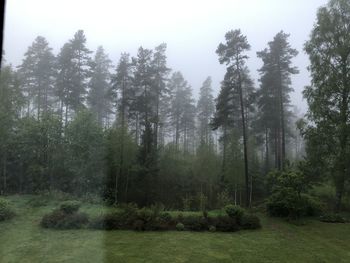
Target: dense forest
{"type": "Point", "coordinates": [133, 131]}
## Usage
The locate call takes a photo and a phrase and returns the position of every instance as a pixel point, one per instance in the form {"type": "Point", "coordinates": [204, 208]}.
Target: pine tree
{"type": "Point", "coordinates": [160, 71]}
{"type": "Point", "coordinates": [99, 86]}
{"type": "Point", "coordinates": [205, 111]}
{"type": "Point", "coordinates": [182, 109]}
{"type": "Point", "coordinates": [37, 72]}
{"type": "Point", "coordinates": [73, 72]}
{"type": "Point", "coordinates": [11, 101]}
{"type": "Point", "coordinates": [232, 54]}
{"type": "Point", "coordinates": [123, 93]}
{"type": "Point", "coordinates": [274, 95]}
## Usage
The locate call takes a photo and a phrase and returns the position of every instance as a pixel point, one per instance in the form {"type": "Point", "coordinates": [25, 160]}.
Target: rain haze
{"type": "Point", "coordinates": [175, 131]}
{"type": "Point", "coordinates": [191, 29]}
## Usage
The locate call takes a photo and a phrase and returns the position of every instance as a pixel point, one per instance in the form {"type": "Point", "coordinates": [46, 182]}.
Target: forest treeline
{"type": "Point", "coordinates": [133, 131]}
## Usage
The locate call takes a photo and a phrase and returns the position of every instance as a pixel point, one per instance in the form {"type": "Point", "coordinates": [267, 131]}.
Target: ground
{"type": "Point", "coordinates": [23, 240]}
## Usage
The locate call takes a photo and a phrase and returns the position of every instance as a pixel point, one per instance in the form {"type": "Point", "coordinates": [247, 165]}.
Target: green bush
{"type": "Point", "coordinates": [195, 223]}
{"type": "Point", "coordinates": [224, 223]}
{"type": "Point", "coordinates": [139, 225]}
{"type": "Point", "coordinates": [165, 217]}
{"type": "Point", "coordinates": [128, 213]}
{"type": "Point", "coordinates": [234, 211]}
{"type": "Point", "coordinates": [180, 217]}
{"type": "Point", "coordinates": [74, 221]}
{"type": "Point", "coordinates": [180, 227]}
{"type": "Point", "coordinates": [313, 206]}
{"type": "Point", "coordinates": [250, 221]}
{"type": "Point", "coordinates": [288, 198]}
{"type": "Point", "coordinates": [164, 222]}
{"type": "Point", "coordinates": [66, 217]}
{"type": "Point", "coordinates": [109, 221]}
{"type": "Point", "coordinates": [146, 219]}
{"type": "Point", "coordinates": [145, 214]}
{"type": "Point", "coordinates": [53, 219]}
{"type": "Point", "coordinates": [332, 218]}
{"type": "Point", "coordinates": [70, 207]}
{"type": "Point", "coordinates": [6, 210]}
{"type": "Point", "coordinates": [58, 219]}
{"type": "Point", "coordinates": [286, 202]}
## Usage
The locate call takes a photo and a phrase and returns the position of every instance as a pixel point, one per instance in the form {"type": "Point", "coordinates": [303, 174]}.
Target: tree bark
{"type": "Point", "coordinates": [246, 175]}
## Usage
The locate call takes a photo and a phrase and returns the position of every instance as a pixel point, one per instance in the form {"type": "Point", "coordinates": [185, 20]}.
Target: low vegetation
{"type": "Point", "coordinates": [66, 217]}
{"type": "Point", "coordinates": [314, 241]}
{"type": "Point", "coordinates": [130, 217]}
{"type": "Point", "coordinates": [6, 210]}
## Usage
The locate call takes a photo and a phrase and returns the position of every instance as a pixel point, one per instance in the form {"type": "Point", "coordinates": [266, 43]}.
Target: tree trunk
{"type": "Point", "coordinates": [246, 175]}
{"type": "Point", "coordinates": [4, 173]}
{"type": "Point", "coordinates": [223, 168]}
{"type": "Point", "coordinates": [267, 161]}
{"type": "Point", "coordinates": [116, 188]}
{"type": "Point", "coordinates": [281, 108]}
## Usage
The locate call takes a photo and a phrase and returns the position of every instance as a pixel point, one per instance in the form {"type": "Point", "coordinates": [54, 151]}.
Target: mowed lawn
{"type": "Point", "coordinates": [23, 240]}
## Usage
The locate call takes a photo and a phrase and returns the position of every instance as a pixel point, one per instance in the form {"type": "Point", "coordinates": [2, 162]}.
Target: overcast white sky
{"type": "Point", "coordinates": [191, 28]}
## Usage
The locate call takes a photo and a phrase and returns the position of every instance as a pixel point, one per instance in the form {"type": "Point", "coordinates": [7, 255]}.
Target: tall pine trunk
{"type": "Point", "coordinates": [246, 175]}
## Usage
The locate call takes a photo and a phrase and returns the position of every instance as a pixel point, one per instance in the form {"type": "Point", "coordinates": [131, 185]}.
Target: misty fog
{"type": "Point", "coordinates": [191, 29]}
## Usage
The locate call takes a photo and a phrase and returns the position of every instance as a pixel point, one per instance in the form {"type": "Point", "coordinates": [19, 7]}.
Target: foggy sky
{"type": "Point", "coordinates": [192, 30]}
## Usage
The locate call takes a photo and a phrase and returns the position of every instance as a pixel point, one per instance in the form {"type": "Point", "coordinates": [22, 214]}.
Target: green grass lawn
{"type": "Point", "coordinates": [23, 240]}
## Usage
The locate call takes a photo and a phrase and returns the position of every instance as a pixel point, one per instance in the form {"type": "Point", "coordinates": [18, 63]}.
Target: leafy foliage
{"type": "Point", "coordinates": [287, 198]}
{"type": "Point", "coordinates": [6, 210]}
{"type": "Point", "coordinates": [66, 217]}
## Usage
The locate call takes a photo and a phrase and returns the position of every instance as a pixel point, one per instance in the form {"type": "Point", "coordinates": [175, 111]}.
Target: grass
{"type": "Point", "coordinates": [23, 240]}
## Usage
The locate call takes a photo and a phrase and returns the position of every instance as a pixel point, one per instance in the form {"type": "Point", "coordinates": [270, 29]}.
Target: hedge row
{"type": "Point", "coordinates": [129, 217]}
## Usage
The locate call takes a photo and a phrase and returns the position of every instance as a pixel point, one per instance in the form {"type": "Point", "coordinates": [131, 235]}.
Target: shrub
{"type": "Point", "coordinates": [225, 223]}
{"type": "Point", "coordinates": [234, 211]}
{"type": "Point", "coordinates": [145, 219]}
{"type": "Point", "coordinates": [6, 211]}
{"type": "Point", "coordinates": [145, 214]}
{"type": "Point", "coordinates": [313, 206]}
{"type": "Point", "coordinates": [66, 217]}
{"type": "Point", "coordinates": [180, 227]}
{"type": "Point", "coordinates": [165, 222]}
{"type": "Point", "coordinates": [128, 213]}
{"type": "Point", "coordinates": [195, 223]}
{"type": "Point", "coordinates": [74, 221]}
{"type": "Point", "coordinates": [157, 208]}
{"type": "Point", "coordinates": [180, 217]}
{"type": "Point", "coordinates": [332, 218]}
{"type": "Point", "coordinates": [165, 217]}
{"type": "Point", "coordinates": [288, 198]}
{"type": "Point", "coordinates": [70, 207]}
{"type": "Point", "coordinates": [58, 219]}
{"type": "Point", "coordinates": [108, 221]}
{"type": "Point", "coordinates": [52, 219]}
{"type": "Point", "coordinates": [250, 221]}
{"type": "Point", "coordinates": [286, 202]}
{"type": "Point", "coordinates": [139, 225]}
